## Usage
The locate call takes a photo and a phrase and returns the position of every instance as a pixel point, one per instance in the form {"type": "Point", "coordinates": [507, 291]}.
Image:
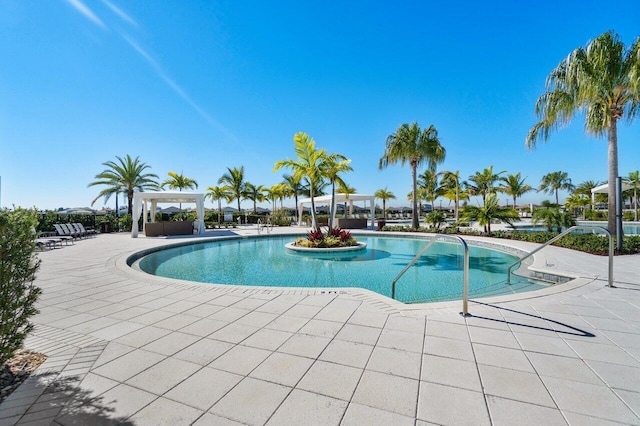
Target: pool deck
{"type": "Point", "coordinates": [127, 348]}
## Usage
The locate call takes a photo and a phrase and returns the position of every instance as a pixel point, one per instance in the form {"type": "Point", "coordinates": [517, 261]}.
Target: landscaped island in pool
{"type": "Point", "coordinates": [264, 261]}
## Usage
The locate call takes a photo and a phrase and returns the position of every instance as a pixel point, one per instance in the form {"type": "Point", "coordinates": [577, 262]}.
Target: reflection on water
{"type": "Point", "coordinates": [344, 256]}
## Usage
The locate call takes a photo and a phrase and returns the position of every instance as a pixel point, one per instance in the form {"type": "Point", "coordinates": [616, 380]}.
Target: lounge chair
{"type": "Point", "coordinates": [63, 232]}
{"type": "Point", "coordinates": [71, 230]}
{"type": "Point", "coordinates": [76, 228]}
{"type": "Point", "coordinates": [87, 232]}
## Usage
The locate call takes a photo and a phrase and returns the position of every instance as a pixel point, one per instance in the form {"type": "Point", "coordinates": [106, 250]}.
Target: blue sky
{"type": "Point", "coordinates": [199, 86]}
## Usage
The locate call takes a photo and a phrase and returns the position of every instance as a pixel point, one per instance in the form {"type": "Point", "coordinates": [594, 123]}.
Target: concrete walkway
{"type": "Point", "coordinates": [127, 348]}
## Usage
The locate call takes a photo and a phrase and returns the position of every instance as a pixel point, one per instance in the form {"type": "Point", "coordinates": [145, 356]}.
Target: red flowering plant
{"type": "Point", "coordinates": [335, 237]}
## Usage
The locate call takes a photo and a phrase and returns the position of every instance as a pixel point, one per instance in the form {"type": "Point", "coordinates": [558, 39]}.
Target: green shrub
{"type": "Point", "coordinates": [628, 216]}
{"type": "Point", "coordinates": [18, 266]}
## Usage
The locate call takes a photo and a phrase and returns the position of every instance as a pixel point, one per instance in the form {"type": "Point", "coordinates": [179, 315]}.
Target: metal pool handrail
{"type": "Point", "coordinates": [465, 271]}
{"type": "Point", "coordinates": [267, 225]}
{"type": "Point", "coordinates": [557, 237]}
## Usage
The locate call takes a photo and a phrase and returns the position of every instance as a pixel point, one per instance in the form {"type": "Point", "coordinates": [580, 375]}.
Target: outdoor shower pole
{"type": "Point", "coordinates": [619, 214]}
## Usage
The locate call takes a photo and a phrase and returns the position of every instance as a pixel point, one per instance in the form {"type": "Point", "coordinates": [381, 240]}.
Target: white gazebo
{"type": "Point", "coordinates": [339, 198]}
{"type": "Point", "coordinates": [604, 189]}
{"type": "Point", "coordinates": [150, 200]}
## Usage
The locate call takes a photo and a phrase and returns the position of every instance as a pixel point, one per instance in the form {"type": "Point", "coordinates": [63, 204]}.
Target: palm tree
{"type": "Point", "coordinates": [484, 183]}
{"type": "Point", "coordinates": [415, 146]}
{"type": "Point", "coordinates": [218, 193]}
{"type": "Point", "coordinates": [553, 218]}
{"type": "Point", "coordinates": [126, 175]}
{"type": "Point", "coordinates": [179, 182]}
{"type": "Point", "coordinates": [346, 190]}
{"type": "Point", "coordinates": [233, 181]}
{"type": "Point", "coordinates": [552, 182]}
{"type": "Point", "coordinates": [514, 185]}
{"type": "Point", "coordinates": [306, 166]}
{"type": "Point", "coordinates": [331, 167]}
{"type": "Point", "coordinates": [384, 195]}
{"type": "Point", "coordinates": [255, 194]}
{"type": "Point", "coordinates": [428, 181]}
{"type": "Point", "coordinates": [490, 211]}
{"type": "Point", "coordinates": [295, 188]}
{"type": "Point", "coordinates": [274, 193]}
{"type": "Point", "coordinates": [452, 189]}
{"type": "Point", "coordinates": [602, 80]}
{"type": "Point", "coordinates": [634, 181]}
{"type": "Point", "coordinates": [576, 202]}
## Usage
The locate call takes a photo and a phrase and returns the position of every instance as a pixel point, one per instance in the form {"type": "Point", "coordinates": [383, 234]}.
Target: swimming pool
{"type": "Point", "coordinates": [264, 261]}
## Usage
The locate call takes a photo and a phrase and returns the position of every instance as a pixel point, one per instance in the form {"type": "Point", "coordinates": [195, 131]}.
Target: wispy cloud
{"type": "Point", "coordinates": [115, 9]}
{"type": "Point", "coordinates": [173, 85]}
{"type": "Point", "coordinates": [84, 10]}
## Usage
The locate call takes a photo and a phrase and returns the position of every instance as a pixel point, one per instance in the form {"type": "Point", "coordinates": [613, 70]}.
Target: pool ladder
{"type": "Point", "coordinates": [465, 270]}
{"type": "Point", "coordinates": [266, 225]}
{"type": "Point", "coordinates": [557, 237]}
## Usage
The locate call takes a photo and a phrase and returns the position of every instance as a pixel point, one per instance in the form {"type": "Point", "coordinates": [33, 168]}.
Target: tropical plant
{"type": "Point", "coordinates": [552, 182]}
{"type": "Point", "coordinates": [384, 195]}
{"type": "Point", "coordinates": [490, 211]}
{"type": "Point", "coordinates": [577, 202]}
{"type": "Point", "coordinates": [306, 166]}
{"type": "Point", "coordinates": [435, 218]}
{"type": "Point", "coordinates": [217, 193]}
{"type": "Point", "coordinates": [126, 176]}
{"type": "Point", "coordinates": [514, 185]}
{"type": "Point", "coordinates": [255, 193]}
{"type": "Point", "coordinates": [553, 218]}
{"type": "Point", "coordinates": [633, 180]}
{"type": "Point", "coordinates": [179, 182]}
{"type": "Point", "coordinates": [411, 145]}
{"type": "Point", "coordinates": [274, 193]}
{"type": "Point", "coordinates": [602, 80]}
{"type": "Point", "coordinates": [428, 182]}
{"type": "Point", "coordinates": [18, 267]}
{"type": "Point", "coordinates": [452, 189]}
{"type": "Point", "coordinates": [233, 182]}
{"type": "Point", "coordinates": [331, 168]}
{"type": "Point", "coordinates": [483, 183]}
{"type": "Point", "coordinates": [295, 188]}
{"type": "Point", "coordinates": [346, 190]}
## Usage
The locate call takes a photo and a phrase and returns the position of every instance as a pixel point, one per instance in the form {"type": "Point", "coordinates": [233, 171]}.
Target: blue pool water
{"type": "Point", "coordinates": [437, 276]}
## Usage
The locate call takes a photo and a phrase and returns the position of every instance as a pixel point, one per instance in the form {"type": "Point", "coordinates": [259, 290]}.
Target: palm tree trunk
{"type": "Point", "coordinates": [635, 202]}
{"type": "Point", "coordinates": [384, 209]}
{"type": "Point", "coordinates": [613, 174]}
{"type": "Point", "coordinates": [333, 194]}
{"type": "Point", "coordinates": [414, 219]}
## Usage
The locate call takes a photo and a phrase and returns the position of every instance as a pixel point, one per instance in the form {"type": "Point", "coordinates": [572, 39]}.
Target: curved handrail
{"type": "Point", "coordinates": [259, 223]}
{"type": "Point", "coordinates": [557, 237]}
{"type": "Point", "coordinates": [465, 270]}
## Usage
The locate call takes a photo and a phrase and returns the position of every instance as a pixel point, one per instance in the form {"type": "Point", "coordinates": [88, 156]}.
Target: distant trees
{"type": "Point", "coordinates": [233, 182]}
{"type": "Point", "coordinates": [218, 193]}
{"type": "Point", "coordinates": [410, 144]}
{"type": "Point", "coordinates": [490, 211]}
{"type": "Point", "coordinates": [515, 186]}
{"type": "Point", "coordinates": [384, 195]}
{"type": "Point", "coordinates": [124, 175]}
{"type": "Point", "coordinates": [552, 182]}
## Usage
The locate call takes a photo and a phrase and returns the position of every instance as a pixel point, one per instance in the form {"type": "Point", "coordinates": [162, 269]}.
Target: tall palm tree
{"type": "Point", "coordinates": [552, 182]}
{"type": "Point", "coordinates": [126, 175]}
{"type": "Point", "coordinates": [514, 185]}
{"type": "Point", "coordinates": [255, 193]}
{"type": "Point", "coordinates": [233, 181]}
{"type": "Point", "coordinates": [274, 193]}
{"type": "Point", "coordinates": [295, 188]}
{"type": "Point", "coordinates": [411, 145]}
{"type": "Point", "coordinates": [484, 183]}
{"type": "Point", "coordinates": [452, 189]}
{"type": "Point", "coordinates": [384, 195]}
{"type": "Point", "coordinates": [218, 193]}
{"type": "Point", "coordinates": [634, 181]}
{"type": "Point", "coordinates": [585, 187]}
{"type": "Point", "coordinates": [602, 80]}
{"type": "Point", "coordinates": [490, 211]}
{"type": "Point", "coordinates": [179, 182]}
{"type": "Point", "coordinates": [306, 166]}
{"type": "Point", "coordinates": [331, 168]}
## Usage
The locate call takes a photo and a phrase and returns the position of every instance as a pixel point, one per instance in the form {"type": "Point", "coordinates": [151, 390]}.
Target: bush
{"type": "Point", "coordinates": [18, 267]}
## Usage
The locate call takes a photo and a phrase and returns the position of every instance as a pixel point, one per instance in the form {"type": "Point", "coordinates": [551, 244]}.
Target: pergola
{"type": "Point", "coordinates": [326, 199]}
{"type": "Point", "coordinates": [150, 200]}
{"type": "Point", "coordinates": [604, 189]}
